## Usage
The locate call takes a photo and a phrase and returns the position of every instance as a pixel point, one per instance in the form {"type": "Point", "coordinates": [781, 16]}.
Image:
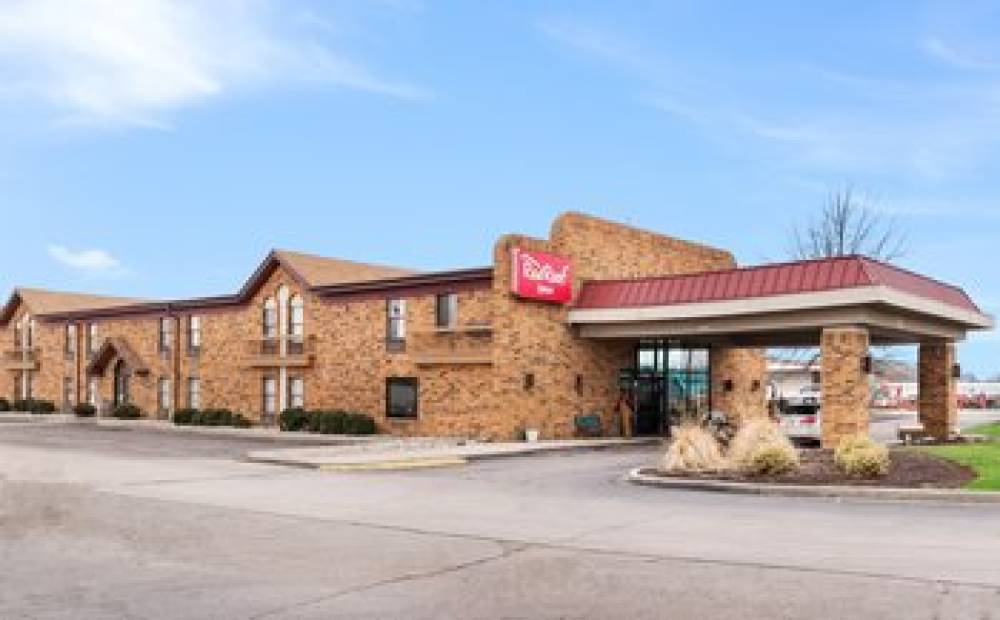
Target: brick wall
{"type": "Point", "coordinates": [846, 391]}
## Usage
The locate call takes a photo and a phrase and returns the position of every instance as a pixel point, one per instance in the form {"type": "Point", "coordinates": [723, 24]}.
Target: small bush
{"type": "Point", "coordinates": [43, 407]}
{"type": "Point", "coordinates": [861, 457]}
{"type": "Point", "coordinates": [328, 422]}
{"type": "Point", "coordinates": [241, 421]}
{"type": "Point", "coordinates": [760, 448]}
{"type": "Point", "coordinates": [772, 459]}
{"type": "Point", "coordinates": [359, 424]}
{"type": "Point", "coordinates": [21, 404]}
{"type": "Point", "coordinates": [4, 404]}
{"type": "Point", "coordinates": [84, 410]}
{"type": "Point", "coordinates": [692, 449]}
{"type": "Point", "coordinates": [293, 419]}
{"type": "Point", "coordinates": [127, 411]}
{"type": "Point", "coordinates": [184, 417]}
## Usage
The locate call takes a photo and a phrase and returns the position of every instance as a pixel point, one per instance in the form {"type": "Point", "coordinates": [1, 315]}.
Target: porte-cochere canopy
{"type": "Point", "coordinates": [783, 304]}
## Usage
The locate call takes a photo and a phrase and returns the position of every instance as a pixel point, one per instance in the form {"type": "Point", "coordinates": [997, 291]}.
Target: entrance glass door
{"type": "Point", "coordinates": [672, 382]}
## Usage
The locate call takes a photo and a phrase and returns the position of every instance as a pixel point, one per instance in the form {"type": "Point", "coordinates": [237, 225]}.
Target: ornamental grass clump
{"type": "Point", "coordinates": [861, 457]}
{"type": "Point", "coordinates": [761, 449]}
{"type": "Point", "coordinates": [693, 449]}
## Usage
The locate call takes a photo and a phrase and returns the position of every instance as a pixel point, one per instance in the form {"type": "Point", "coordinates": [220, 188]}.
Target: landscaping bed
{"type": "Point", "coordinates": [907, 469]}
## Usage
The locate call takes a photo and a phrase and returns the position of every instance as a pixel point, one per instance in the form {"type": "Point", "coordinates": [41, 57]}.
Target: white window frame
{"type": "Point", "coordinates": [194, 392]}
{"type": "Point", "coordinates": [269, 394]}
{"type": "Point", "coordinates": [164, 396]}
{"type": "Point", "coordinates": [297, 391]}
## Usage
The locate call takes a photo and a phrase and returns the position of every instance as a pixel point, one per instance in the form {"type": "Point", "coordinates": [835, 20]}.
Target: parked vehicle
{"type": "Point", "coordinates": [801, 417]}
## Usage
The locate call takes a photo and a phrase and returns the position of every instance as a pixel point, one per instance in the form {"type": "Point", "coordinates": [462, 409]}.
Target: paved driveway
{"type": "Point", "coordinates": [93, 529]}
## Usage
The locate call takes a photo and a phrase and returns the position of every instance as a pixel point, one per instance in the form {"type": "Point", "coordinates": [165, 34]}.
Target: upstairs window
{"type": "Point", "coordinates": [446, 310]}
{"type": "Point", "coordinates": [395, 323]}
{"type": "Point", "coordinates": [194, 334]}
{"type": "Point", "coordinates": [296, 317]}
{"type": "Point", "coordinates": [70, 347]}
{"type": "Point", "coordinates": [166, 333]}
{"type": "Point", "coordinates": [269, 320]}
{"type": "Point", "coordinates": [91, 338]}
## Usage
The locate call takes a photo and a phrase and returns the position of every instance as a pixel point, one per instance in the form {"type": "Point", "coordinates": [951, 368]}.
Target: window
{"type": "Point", "coordinates": [401, 397]}
{"type": "Point", "coordinates": [91, 338]}
{"type": "Point", "coordinates": [92, 391]}
{"type": "Point", "coordinates": [29, 341]}
{"type": "Point", "coordinates": [194, 392]}
{"type": "Point", "coordinates": [194, 334]}
{"type": "Point", "coordinates": [269, 395]}
{"type": "Point", "coordinates": [396, 323]}
{"type": "Point", "coordinates": [164, 392]}
{"type": "Point", "coordinates": [296, 392]}
{"type": "Point", "coordinates": [70, 340]}
{"type": "Point", "coordinates": [166, 333]}
{"type": "Point", "coordinates": [68, 396]}
{"type": "Point", "coordinates": [446, 310]}
{"type": "Point", "coordinates": [296, 325]}
{"type": "Point", "coordinates": [269, 326]}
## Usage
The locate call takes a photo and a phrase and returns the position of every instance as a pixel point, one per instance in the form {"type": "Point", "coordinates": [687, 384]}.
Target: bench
{"type": "Point", "coordinates": [588, 425]}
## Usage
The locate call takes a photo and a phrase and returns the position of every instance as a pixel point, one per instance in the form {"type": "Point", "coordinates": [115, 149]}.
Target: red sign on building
{"type": "Point", "coordinates": [542, 276]}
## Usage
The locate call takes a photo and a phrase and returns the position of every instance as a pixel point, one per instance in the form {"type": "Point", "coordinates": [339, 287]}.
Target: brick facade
{"type": "Point", "coordinates": [507, 364]}
{"type": "Point", "coordinates": [938, 391]}
{"type": "Point", "coordinates": [846, 391]}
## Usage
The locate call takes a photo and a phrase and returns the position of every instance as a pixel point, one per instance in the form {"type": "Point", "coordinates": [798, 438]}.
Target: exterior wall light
{"type": "Point", "coordinates": [866, 364]}
{"type": "Point", "coordinates": [727, 385]}
{"type": "Point", "coordinates": [529, 381]}
{"type": "Point", "coordinates": [956, 371]}
{"type": "Point", "coordinates": [755, 385]}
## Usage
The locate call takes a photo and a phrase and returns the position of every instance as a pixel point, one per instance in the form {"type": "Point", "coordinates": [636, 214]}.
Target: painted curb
{"type": "Point", "coordinates": [265, 457]}
{"type": "Point", "coordinates": [394, 465]}
{"type": "Point", "coordinates": [636, 476]}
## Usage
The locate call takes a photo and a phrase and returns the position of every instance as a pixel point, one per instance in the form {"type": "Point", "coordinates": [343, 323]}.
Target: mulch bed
{"type": "Point", "coordinates": [907, 469]}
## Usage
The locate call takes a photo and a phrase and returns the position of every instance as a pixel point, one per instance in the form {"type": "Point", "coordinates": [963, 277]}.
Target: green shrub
{"type": "Point", "coordinates": [84, 410]}
{"type": "Point", "coordinates": [293, 419]}
{"type": "Point", "coordinates": [772, 459]}
{"type": "Point", "coordinates": [861, 457]}
{"type": "Point", "coordinates": [4, 404]}
{"type": "Point", "coordinates": [127, 411]}
{"type": "Point", "coordinates": [359, 424]}
{"type": "Point", "coordinates": [184, 417]}
{"type": "Point", "coordinates": [42, 407]}
{"type": "Point", "coordinates": [241, 421]}
{"type": "Point", "coordinates": [21, 404]}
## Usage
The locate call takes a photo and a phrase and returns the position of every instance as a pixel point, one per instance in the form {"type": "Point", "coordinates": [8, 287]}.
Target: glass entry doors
{"type": "Point", "coordinates": [671, 383]}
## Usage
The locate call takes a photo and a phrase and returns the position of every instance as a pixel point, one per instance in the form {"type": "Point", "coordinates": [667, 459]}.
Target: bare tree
{"type": "Point", "coordinates": [849, 225]}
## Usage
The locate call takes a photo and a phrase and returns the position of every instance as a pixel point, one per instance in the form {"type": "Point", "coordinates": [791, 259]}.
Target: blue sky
{"type": "Point", "coordinates": [159, 149]}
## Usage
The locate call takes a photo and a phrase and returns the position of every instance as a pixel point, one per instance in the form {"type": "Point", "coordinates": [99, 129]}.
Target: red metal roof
{"type": "Point", "coordinates": [807, 276]}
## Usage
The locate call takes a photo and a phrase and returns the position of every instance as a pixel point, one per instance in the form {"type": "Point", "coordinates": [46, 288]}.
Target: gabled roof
{"type": "Point", "coordinates": [323, 271]}
{"type": "Point", "coordinates": [808, 276]}
{"type": "Point", "coordinates": [116, 347]}
{"type": "Point", "coordinates": [41, 302]}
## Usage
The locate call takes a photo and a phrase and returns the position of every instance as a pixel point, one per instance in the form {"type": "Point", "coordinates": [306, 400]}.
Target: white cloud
{"type": "Point", "coordinates": [947, 53]}
{"type": "Point", "coordinates": [132, 62]}
{"type": "Point", "coordinates": [90, 261]}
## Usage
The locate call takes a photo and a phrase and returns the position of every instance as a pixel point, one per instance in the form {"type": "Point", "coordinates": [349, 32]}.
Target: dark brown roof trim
{"type": "Point", "coordinates": [404, 285]}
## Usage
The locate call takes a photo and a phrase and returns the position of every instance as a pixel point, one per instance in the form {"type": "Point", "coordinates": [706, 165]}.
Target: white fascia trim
{"type": "Point", "coordinates": [785, 303]}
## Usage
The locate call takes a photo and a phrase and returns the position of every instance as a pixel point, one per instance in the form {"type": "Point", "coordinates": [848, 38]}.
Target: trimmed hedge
{"type": "Point", "coordinates": [334, 422]}
{"type": "Point", "coordinates": [210, 417]}
{"type": "Point", "coordinates": [32, 405]}
{"type": "Point", "coordinates": [84, 410]}
{"type": "Point", "coordinates": [127, 411]}
{"type": "Point", "coordinates": [4, 404]}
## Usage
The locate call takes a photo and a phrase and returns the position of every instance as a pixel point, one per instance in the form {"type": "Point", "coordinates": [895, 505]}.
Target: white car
{"type": "Point", "coordinates": [801, 418]}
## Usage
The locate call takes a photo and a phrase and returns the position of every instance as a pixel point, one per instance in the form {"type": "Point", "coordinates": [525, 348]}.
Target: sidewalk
{"type": "Point", "coordinates": [405, 453]}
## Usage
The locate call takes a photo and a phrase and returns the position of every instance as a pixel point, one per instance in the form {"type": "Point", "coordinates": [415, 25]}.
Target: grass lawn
{"type": "Point", "coordinates": [983, 457]}
{"type": "Point", "coordinates": [992, 429]}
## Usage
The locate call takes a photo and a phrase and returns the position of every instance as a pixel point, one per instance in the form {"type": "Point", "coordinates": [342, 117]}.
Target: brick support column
{"type": "Point", "coordinates": [846, 393]}
{"type": "Point", "coordinates": [938, 391]}
{"type": "Point", "coordinates": [738, 377]}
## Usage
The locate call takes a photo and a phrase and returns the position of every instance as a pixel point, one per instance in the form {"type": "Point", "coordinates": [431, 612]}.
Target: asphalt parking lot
{"type": "Point", "coordinates": [97, 524]}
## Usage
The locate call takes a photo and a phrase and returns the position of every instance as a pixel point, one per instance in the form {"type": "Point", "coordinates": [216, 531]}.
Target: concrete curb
{"type": "Point", "coordinates": [17, 416]}
{"type": "Point", "coordinates": [636, 476]}
{"type": "Point", "coordinates": [456, 456]}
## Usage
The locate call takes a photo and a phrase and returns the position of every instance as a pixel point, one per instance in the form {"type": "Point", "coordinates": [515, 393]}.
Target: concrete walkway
{"type": "Point", "coordinates": [414, 453]}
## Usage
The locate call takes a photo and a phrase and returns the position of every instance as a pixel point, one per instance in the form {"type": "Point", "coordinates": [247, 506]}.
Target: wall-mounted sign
{"type": "Point", "coordinates": [539, 275]}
